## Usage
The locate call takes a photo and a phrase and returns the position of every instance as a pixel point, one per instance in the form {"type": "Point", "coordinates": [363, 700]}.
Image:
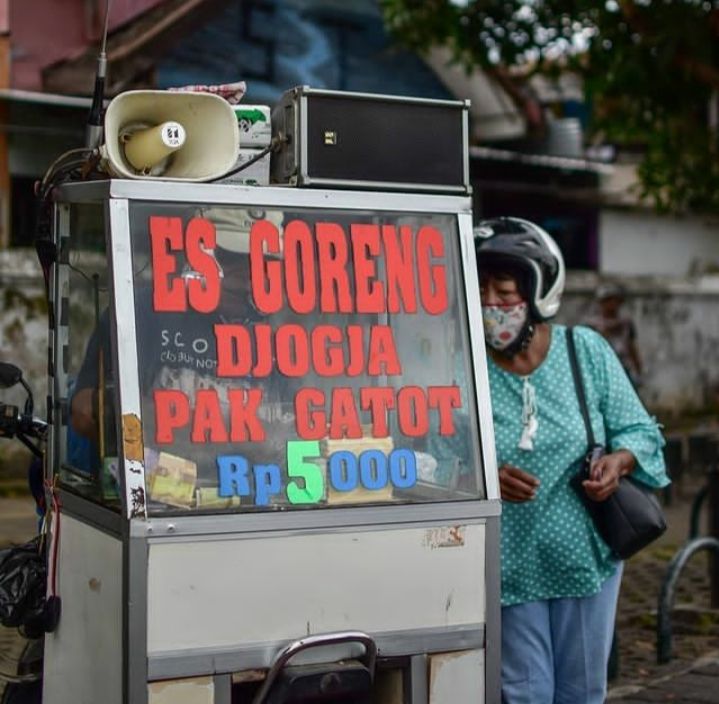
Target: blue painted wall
{"type": "Point", "coordinates": [276, 44]}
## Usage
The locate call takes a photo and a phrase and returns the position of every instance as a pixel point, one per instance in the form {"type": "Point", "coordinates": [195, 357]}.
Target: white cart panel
{"type": "Point", "coordinates": [220, 593]}
{"type": "Point", "coordinates": [83, 658]}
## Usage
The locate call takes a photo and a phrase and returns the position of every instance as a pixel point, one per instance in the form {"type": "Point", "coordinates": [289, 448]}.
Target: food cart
{"type": "Point", "coordinates": [291, 484]}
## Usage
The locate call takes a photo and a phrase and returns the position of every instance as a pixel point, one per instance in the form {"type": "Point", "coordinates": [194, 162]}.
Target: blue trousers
{"type": "Point", "coordinates": [556, 651]}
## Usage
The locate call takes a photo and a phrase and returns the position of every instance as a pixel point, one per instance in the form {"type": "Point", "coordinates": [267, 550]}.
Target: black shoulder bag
{"type": "Point", "coordinates": [631, 517]}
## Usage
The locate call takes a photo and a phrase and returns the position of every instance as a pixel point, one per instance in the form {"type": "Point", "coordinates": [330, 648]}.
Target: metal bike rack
{"type": "Point", "coordinates": [695, 515]}
{"type": "Point", "coordinates": [668, 592]}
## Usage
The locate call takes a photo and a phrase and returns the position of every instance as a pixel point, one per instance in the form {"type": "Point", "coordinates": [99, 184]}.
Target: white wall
{"type": "Point", "coordinates": [677, 332]}
{"type": "Point", "coordinates": [642, 242]}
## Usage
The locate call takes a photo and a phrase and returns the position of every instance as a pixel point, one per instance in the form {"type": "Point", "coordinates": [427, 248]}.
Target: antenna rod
{"type": "Point", "coordinates": [93, 132]}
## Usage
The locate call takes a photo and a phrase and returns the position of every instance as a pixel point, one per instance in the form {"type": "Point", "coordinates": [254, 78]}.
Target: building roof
{"type": "Point", "coordinates": [131, 50]}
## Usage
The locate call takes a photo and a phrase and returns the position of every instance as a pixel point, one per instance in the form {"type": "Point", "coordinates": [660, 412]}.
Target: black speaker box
{"type": "Point", "coordinates": [334, 139]}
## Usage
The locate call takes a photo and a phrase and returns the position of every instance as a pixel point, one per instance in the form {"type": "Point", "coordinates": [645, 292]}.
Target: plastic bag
{"type": "Point", "coordinates": [23, 584]}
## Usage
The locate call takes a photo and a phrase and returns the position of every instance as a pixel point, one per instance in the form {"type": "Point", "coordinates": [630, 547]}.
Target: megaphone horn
{"type": "Point", "coordinates": [148, 148]}
{"type": "Point", "coordinates": [170, 136]}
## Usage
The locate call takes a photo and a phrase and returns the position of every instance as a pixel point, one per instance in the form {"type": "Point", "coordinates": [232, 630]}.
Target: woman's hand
{"type": "Point", "coordinates": [515, 485]}
{"type": "Point", "coordinates": [606, 473]}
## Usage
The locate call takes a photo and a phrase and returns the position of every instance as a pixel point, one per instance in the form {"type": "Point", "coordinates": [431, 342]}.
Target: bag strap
{"type": "Point", "coordinates": [579, 386]}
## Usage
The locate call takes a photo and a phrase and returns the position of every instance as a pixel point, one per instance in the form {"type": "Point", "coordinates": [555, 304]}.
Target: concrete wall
{"type": "Point", "coordinates": [641, 242]}
{"type": "Point", "coordinates": [23, 323]}
{"type": "Point", "coordinates": [23, 342]}
{"type": "Point", "coordinates": [678, 334]}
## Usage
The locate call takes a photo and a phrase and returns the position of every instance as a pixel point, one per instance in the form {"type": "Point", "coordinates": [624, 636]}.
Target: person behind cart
{"type": "Point", "coordinates": [618, 328]}
{"type": "Point", "coordinates": [560, 583]}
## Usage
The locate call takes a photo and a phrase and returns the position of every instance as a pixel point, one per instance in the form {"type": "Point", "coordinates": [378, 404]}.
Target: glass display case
{"type": "Point", "coordinates": [257, 389]}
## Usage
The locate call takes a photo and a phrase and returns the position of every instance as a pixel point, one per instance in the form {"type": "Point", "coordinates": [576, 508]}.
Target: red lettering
{"type": "Point", "coordinates": [310, 418]}
{"type": "Point", "coordinates": [265, 274]}
{"type": "Point", "coordinates": [344, 421]}
{"type": "Point", "coordinates": [412, 415]}
{"type": "Point", "coordinates": [444, 399]}
{"type": "Point", "coordinates": [382, 357]}
{"type": "Point", "coordinates": [207, 418]}
{"type": "Point", "coordinates": [234, 350]}
{"type": "Point", "coordinates": [168, 295]}
{"type": "Point", "coordinates": [245, 426]}
{"type": "Point", "coordinates": [263, 340]}
{"type": "Point", "coordinates": [299, 267]}
{"type": "Point", "coordinates": [369, 293]}
{"type": "Point", "coordinates": [203, 292]}
{"type": "Point", "coordinates": [399, 267]}
{"type": "Point", "coordinates": [292, 350]}
{"type": "Point", "coordinates": [332, 253]}
{"type": "Point", "coordinates": [327, 352]}
{"type": "Point", "coordinates": [355, 343]}
{"type": "Point", "coordinates": [378, 400]}
{"type": "Point", "coordinates": [432, 279]}
{"type": "Point", "coordinates": [172, 411]}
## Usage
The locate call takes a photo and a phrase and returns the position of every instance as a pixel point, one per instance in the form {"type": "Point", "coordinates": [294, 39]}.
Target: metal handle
{"type": "Point", "coordinates": [297, 646]}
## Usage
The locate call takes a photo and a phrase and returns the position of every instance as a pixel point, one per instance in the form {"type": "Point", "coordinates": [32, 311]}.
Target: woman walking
{"type": "Point", "coordinates": [560, 582]}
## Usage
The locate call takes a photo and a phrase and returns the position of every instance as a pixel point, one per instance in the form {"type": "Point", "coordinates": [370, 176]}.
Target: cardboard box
{"type": "Point", "coordinates": [255, 126]}
{"type": "Point", "coordinates": [258, 174]}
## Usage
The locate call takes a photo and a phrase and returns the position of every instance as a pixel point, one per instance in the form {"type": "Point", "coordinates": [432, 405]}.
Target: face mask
{"type": "Point", "coordinates": [503, 324]}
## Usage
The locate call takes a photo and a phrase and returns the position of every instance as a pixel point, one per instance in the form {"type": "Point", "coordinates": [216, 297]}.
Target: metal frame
{"type": "Point", "coordinates": [120, 192]}
{"type": "Point", "coordinates": [57, 364]}
{"type": "Point", "coordinates": [195, 663]}
{"type": "Point", "coordinates": [194, 526]}
{"type": "Point", "coordinates": [305, 90]}
{"type": "Point", "coordinates": [493, 613]}
{"type": "Point", "coordinates": [419, 679]}
{"type": "Point", "coordinates": [134, 634]}
{"type": "Point", "coordinates": [138, 531]}
{"type": "Point", "coordinates": [232, 194]}
{"type": "Point", "coordinates": [132, 479]}
{"type": "Point", "coordinates": [669, 589]}
{"type": "Point", "coordinates": [387, 185]}
{"type": "Point", "coordinates": [476, 333]}
{"type": "Point", "coordinates": [300, 521]}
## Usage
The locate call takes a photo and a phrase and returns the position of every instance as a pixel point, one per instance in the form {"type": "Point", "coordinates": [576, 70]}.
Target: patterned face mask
{"type": "Point", "coordinates": [503, 324]}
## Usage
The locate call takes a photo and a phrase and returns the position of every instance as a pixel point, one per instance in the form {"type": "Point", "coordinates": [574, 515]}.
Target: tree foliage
{"type": "Point", "coordinates": [650, 70]}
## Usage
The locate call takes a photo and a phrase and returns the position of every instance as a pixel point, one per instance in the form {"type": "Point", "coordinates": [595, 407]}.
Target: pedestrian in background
{"type": "Point", "coordinates": [617, 328]}
{"type": "Point", "coordinates": [560, 582]}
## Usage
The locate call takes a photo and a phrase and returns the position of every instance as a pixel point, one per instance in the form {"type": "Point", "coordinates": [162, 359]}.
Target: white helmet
{"type": "Point", "coordinates": [531, 250]}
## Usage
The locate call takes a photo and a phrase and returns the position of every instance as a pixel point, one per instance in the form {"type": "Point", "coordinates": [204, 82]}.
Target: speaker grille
{"type": "Point", "coordinates": [384, 141]}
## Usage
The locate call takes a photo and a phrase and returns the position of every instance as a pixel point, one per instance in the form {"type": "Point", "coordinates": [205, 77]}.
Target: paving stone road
{"type": "Point", "coordinates": [18, 522]}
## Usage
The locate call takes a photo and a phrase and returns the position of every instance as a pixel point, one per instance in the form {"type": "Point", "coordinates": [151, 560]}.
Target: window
{"type": "Point", "coordinates": [301, 359]}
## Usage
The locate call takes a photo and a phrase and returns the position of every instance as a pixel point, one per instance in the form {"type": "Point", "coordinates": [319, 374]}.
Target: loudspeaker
{"type": "Point", "coordinates": [156, 134]}
{"type": "Point", "coordinates": [334, 139]}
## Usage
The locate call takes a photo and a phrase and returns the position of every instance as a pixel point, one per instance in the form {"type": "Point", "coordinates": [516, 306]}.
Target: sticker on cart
{"type": "Point", "coordinates": [444, 537]}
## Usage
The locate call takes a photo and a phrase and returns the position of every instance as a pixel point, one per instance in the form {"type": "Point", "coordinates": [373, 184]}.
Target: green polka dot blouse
{"type": "Point", "coordinates": [550, 548]}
